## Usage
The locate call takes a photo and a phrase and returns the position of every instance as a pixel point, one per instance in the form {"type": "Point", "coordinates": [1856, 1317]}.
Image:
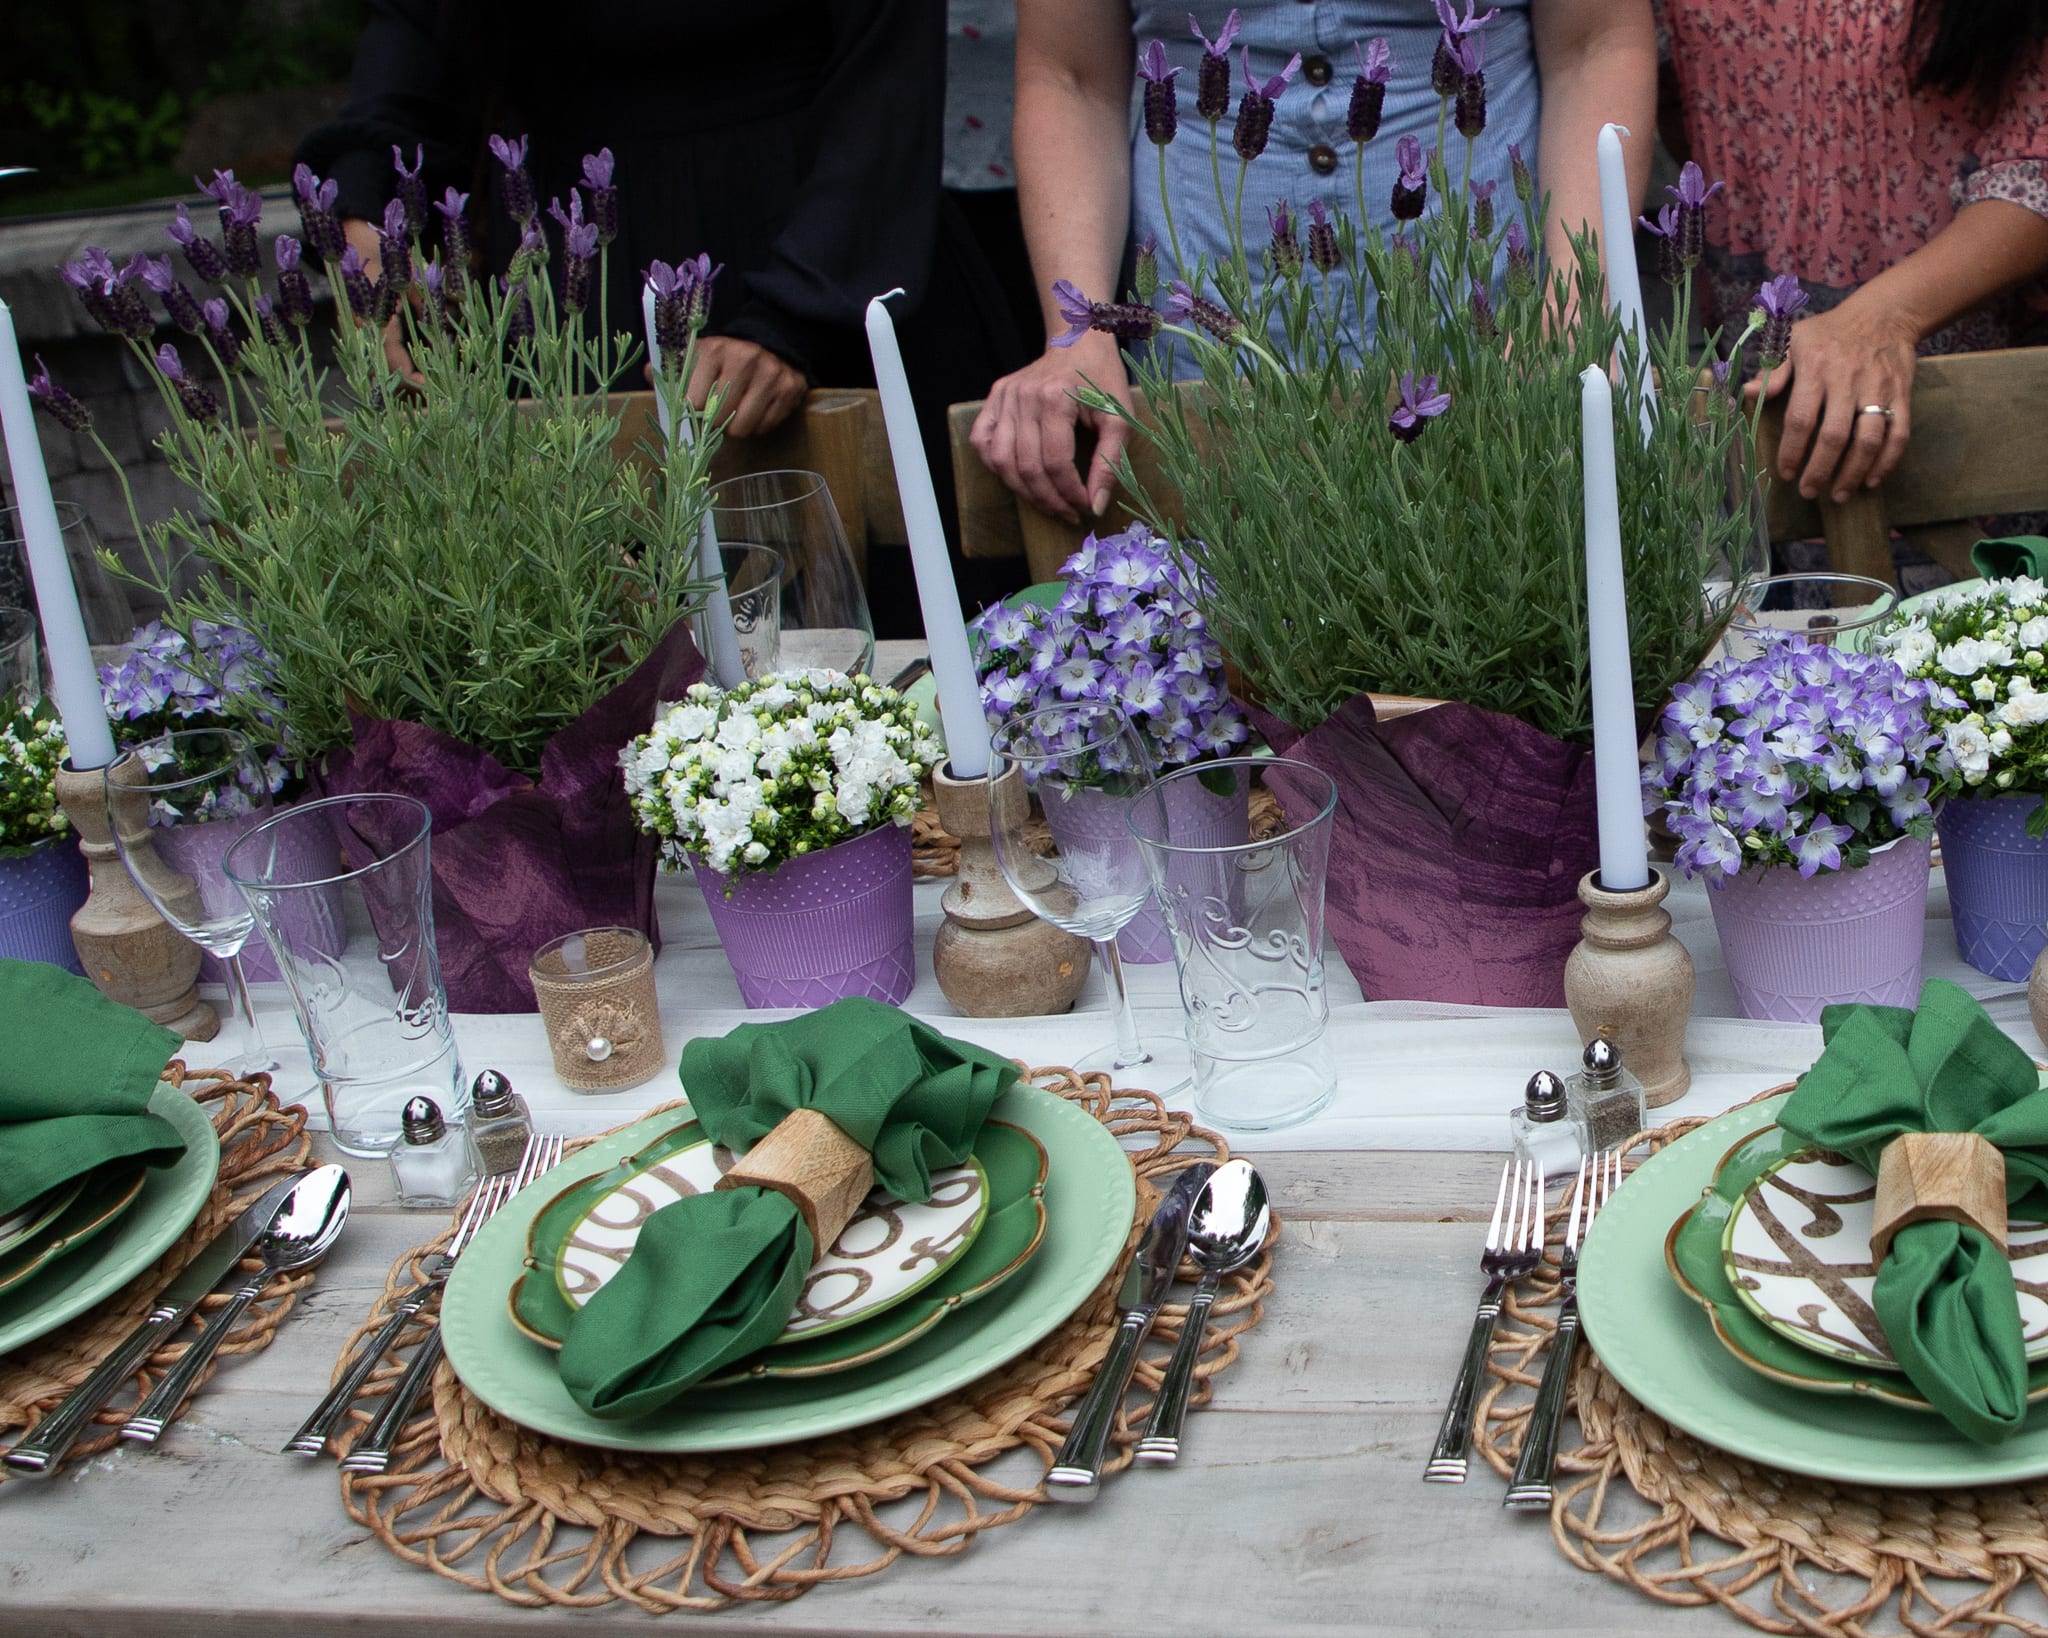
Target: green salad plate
{"type": "Point", "coordinates": [26, 1224]}
{"type": "Point", "coordinates": [162, 1209]}
{"type": "Point", "coordinates": [1655, 1336]}
{"type": "Point", "coordinates": [1088, 1196]}
{"type": "Point", "coordinates": [100, 1199]}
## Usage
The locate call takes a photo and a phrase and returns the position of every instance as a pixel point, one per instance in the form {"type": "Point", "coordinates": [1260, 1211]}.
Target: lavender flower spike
{"type": "Point", "coordinates": [604, 198]}
{"type": "Point", "coordinates": [1781, 300]}
{"type": "Point", "coordinates": [1420, 404]}
{"type": "Point", "coordinates": [1162, 116]}
{"type": "Point", "coordinates": [196, 401]}
{"type": "Point", "coordinates": [1412, 185]}
{"type": "Point", "coordinates": [1127, 321]}
{"type": "Point", "coordinates": [1285, 248]}
{"type": "Point", "coordinates": [1255, 107]}
{"type": "Point", "coordinates": [240, 210]}
{"type": "Point", "coordinates": [321, 226]}
{"type": "Point", "coordinates": [1456, 27]}
{"type": "Point", "coordinates": [1482, 209]}
{"type": "Point", "coordinates": [1212, 76]}
{"type": "Point", "coordinates": [1666, 230]}
{"type": "Point", "coordinates": [412, 192]}
{"type": "Point", "coordinates": [671, 316]}
{"type": "Point", "coordinates": [1525, 184]}
{"type": "Point", "coordinates": [227, 345]}
{"type": "Point", "coordinates": [1692, 194]}
{"type": "Point", "coordinates": [1324, 253]}
{"type": "Point", "coordinates": [394, 251]}
{"type": "Point", "coordinates": [1145, 268]}
{"type": "Point", "coordinates": [64, 408]}
{"type": "Point", "coordinates": [355, 283]}
{"type": "Point", "coordinates": [1521, 265]}
{"type": "Point", "coordinates": [1484, 325]}
{"type": "Point", "coordinates": [1184, 305]}
{"type": "Point", "coordinates": [267, 321]}
{"type": "Point", "coordinates": [517, 186]}
{"type": "Point", "coordinates": [1369, 91]}
{"type": "Point", "coordinates": [454, 240]}
{"type": "Point", "coordinates": [201, 253]}
{"type": "Point", "coordinates": [1469, 112]}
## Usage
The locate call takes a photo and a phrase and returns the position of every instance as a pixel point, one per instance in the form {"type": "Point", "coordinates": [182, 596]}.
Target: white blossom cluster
{"type": "Point", "coordinates": [1987, 644]}
{"type": "Point", "coordinates": [777, 768]}
{"type": "Point", "coordinates": [32, 749]}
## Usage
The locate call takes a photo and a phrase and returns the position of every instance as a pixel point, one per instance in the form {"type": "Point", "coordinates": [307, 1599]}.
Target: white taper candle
{"type": "Point", "coordinates": [1618, 255]}
{"type": "Point", "coordinates": [74, 679]}
{"type": "Point", "coordinates": [939, 599]}
{"type": "Point", "coordinates": [1617, 775]}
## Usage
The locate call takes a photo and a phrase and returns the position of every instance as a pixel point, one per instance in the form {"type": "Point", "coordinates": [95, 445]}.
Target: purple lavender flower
{"type": "Point", "coordinates": [1212, 76]}
{"type": "Point", "coordinates": [604, 198]}
{"type": "Point", "coordinates": [1482, 209]}
{"type": "Point", "coordinates": [91, 274]}
{"type": "Point", "coordinates": [1285, 248]}
{"type": "Point", "coordinates": [1692, 194]}
{"type": "Point", "coordinates": [1411, 187]}
{"type": "Point", "coordinates": [412, 192]}
{"type": "Point", "coordinates": [519, 305]}
{"type": "Point", "coordinates": [201, 253]}
{"type": "Point", "coordinates": [697, 275]}
{"type": "Point", "coordinates": [1184, 306]}
{"type": "Point", "coordinates": [1444, 75]}
{"type": "Point", "coordinates": [434, 287]}
{"type": "Point", "coordinates": [1145, 268]}
{"type": "Point", "coordinates": [158, 275]}
{"type": "Point", "coordinates": [197, 402]}
{"type": "Point", "coordinates": [1484, 325]}
{"type": "Point", "coordinates": [1324, 254]}
{"type": "Point", "coordinates": [1469, 112]}
{"type": "Point", "coordinates": [1420, 404]}
{"type": "Point", "coordinates": [1448, 68]}
{"type": "Point", "coordinates": [1721, 369]}
{"type": "Point", "coordinates": [671, 316]}
{"type": "Point", "coordinates": [394, 252]}
{"type": "Point", "coordinates": [1665, 229]}
{"type": "Point", "coordinates": [240, 210]}
{"type": "Point", "coordinates": [355, 283]}
{"type": "Point", "coordinates": [1781, 300]}
{"type": "Point", "coordinates": [1255, 107]}
{"type": "Point", "coordinates": [1162, 116]}
{"type": "Point", "coordinates": [227, 345]}
{"type": "Point", "coordinates": [455, 240]}
{"type": "Point", "coordinates": [579, 248]}
{"type": "Point", "coordinates": [65, 409]}
{"type": "Point", "coordinates": [322, 228]}
{"type": "Point", "coordinates": [1130, 322]}
{"type": "Point", "coordinates": [294, 293]}
{"type": "Point", "coordinates": [516, 187]}
{"type": "Point", "coordinates": [1525, 184]}
{"type": "Point", "coordinates": [267, 321]}
{"type": "Point", "coordinates": [1521, 265]}
{"type": "Point", "coordinates": [1368, 90]}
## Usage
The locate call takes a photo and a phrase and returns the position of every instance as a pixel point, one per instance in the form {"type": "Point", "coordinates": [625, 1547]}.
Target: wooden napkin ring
{"type": "Point", "coordinates": [1956, 1177]}
{"type": "Point", "coordinates": [808, 1159]}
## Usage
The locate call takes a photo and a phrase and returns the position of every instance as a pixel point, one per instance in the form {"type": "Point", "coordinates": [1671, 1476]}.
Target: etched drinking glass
{"type": "Point", "coordinates": [375, 1016]}
{"type": "Point", "coordinates": [21, 678]}
{"type": "Point", "coordinates": [824, 609]}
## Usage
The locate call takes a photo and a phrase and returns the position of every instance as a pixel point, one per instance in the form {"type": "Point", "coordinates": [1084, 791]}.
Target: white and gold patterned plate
{"type": "Point", "coordinates": [1797, 1251]}
{"type": "Point", "coordinates": [890, 1250]}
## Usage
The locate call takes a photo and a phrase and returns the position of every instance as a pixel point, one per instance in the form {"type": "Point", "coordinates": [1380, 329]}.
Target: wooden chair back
{"type": "Point", "coordinates": [1979, 447]}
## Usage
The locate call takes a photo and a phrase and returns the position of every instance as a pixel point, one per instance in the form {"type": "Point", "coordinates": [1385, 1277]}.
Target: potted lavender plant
{"type": "Point", "coordinates": [42, 876]}
{"type": "Point", "coordinates": [1126, 626]}
{"type": "Point", "coordinates": [1369, 448]}
{"type": "Point", "coordinates": [1798, 783]}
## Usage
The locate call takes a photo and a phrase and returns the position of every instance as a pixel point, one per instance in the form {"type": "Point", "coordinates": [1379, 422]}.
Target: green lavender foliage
{"type": "Point", "coordinates": [1343, 560]}
{"type": "Point", "coordinates": [468, 555]}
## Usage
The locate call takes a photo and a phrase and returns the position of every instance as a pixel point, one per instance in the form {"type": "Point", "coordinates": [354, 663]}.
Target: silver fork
{"type": "Point", "coordinates": [1530, 1489]}
{"type": "Point", "coordinates": [1514, 1248]}
{"type": "Point", "coordinates": [372, 1452]}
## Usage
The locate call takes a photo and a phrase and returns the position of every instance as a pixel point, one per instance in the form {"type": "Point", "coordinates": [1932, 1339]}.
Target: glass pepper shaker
{"type": "Point", "coordinates": [1543, 1135]}
{"type": "Point", "coordinates": [1604, 1099]}
{"type": "Point", "coordinates": [434, 1163]}
{"type": "Point", "coordinates": [500, 1120]}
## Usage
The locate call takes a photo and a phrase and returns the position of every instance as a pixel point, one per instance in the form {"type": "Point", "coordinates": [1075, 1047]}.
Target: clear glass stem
{"type": "Point", "coordinates": [1130, 1050]}
{"type": "Point", "coordinates": [245, 1006]}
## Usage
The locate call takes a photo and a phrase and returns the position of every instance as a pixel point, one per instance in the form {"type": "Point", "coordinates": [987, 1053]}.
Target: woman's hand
{"type": "Point", "coordinates": [363, 235]}
{"type": "Point", "coordinates": [1840, 361]}
{"type": "Point", "coordinates": [760, 388]}
{"type": "Point", "coordinates": [1025, 431]}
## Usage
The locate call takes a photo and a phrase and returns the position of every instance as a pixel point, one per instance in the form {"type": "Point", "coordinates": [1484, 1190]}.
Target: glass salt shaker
{"type": "Point", "coordinates": [1604, 1099]}
{"type": "Point", "coordinates": [1543, 1135]}
{"type": "Point", "coordinates": [435, 1163]}
{"type": "Point", "coordinates": [500, 1120]}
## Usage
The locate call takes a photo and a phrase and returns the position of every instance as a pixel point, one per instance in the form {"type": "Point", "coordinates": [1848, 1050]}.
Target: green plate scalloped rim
{"type": "Point", "coordinates": [42, 1212]}
{"type": "Point", "coordinates": [90, 1210]}
{"type": "Point", "coordinates": [1090, 1197]}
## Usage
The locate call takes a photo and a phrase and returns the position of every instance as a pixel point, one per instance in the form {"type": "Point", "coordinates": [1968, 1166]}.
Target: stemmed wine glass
{"type": "Point", "coordinates": [1085, 763]}
{"type": "Point", "coordinates": [201, 789]}
{"type": "Point", "coordinates": [824, 612]}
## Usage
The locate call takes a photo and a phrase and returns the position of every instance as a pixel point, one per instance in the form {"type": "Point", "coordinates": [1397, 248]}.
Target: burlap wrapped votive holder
{"type": "Point", "coordinates": [597, 1003]}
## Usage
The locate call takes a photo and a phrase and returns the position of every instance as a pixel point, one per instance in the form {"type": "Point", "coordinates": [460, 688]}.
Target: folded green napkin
{"type": "Point", "coordinates": [715, 1277]}
{"type": "Point", "coordinates": [2014, 555]}
{"type": "Point", "coordinates": [75, 1082]}
{"type": "Point", "coordinates": [1944, 1293]}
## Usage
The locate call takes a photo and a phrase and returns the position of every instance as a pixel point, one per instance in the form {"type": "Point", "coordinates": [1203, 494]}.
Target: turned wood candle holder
{"type": "Point", "coordinates": [1923, 1177]}
{"type": "Point", "coordinates": [994, 958]}
{"type": "Point", "coordinates": [1630, 977]}
{"type": "Point", "coordinates": [131, 953]}
{"type": "Point", "coordinates": [813, 1164]}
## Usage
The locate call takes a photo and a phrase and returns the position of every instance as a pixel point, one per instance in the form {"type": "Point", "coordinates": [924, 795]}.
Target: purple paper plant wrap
{"type": "Point", "coordinates": [1456, 852]}
{"type": "Point", "coordinates": [515, 863]}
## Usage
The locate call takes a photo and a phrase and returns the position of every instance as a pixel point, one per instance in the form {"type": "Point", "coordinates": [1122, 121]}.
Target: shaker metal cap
{"type": "Point", "coordinates": [421, 1121]}
{"type": "Point", "coordinates": [1602, 1061]}
{"type": "Point", "coordinates": [1543, 1098]}
{"type": "Point", "coordinates": [490, 1094]}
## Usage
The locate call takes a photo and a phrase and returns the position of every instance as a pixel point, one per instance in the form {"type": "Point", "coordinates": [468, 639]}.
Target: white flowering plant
{"type": "Point", "coordinates": [32, 749]}
{"type": "Point", "coordinates": [1986, 643]}
{"type": "Point", "coordinates": [777, 768]}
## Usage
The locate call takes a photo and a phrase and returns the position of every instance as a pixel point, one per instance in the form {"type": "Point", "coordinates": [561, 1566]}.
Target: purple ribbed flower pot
{"type": "Point", "coordinates": [1197, 818]}
{"type": "Point", "coordinates": [816, 929]}
{"type": "Point", "coordinates": [1795, 944]}
{"type": "Point", "coordinates": [39, 891]}
{"type": "Point", "coordinates": [304, 852]}
{"type": "Point", "coordinates": [1997, 882]}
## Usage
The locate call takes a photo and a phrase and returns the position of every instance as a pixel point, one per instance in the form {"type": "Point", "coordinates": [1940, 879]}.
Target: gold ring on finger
{"type": "Point", "coordinates": [1876, 409]}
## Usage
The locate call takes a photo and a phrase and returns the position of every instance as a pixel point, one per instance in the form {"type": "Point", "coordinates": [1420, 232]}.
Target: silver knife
{"type": "Point", "coordinates": [45, 1446]}
{"type": "Point", "coordinates": [1077, 1469]}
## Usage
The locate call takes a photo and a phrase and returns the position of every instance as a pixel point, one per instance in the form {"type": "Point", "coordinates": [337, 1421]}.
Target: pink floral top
{"type": "Point", "coordinates": [1836, 168]}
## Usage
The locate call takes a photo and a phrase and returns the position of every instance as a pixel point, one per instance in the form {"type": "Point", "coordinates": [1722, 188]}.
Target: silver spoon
{"type": "Point", "coordinates": [305, 1226]}
{"type": "Point", "coordinates": [1225, 1230]}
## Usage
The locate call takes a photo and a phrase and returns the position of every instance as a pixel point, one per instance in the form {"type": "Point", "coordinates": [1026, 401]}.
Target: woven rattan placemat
{"type": "Point", "coordinates": [1684, 1523]}
{"type": "Point", "coordinates": [259, 1143]}
{"type": "Point", "coordinates": [539, 1522]}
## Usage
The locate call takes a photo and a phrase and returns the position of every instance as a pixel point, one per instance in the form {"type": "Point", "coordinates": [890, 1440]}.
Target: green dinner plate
{"type": "Point", "coordinates": [111, 1192]}
{"type": "Point", "coordinates": [171, 1197]}
{"type": "Point", "coordinates": [1659, 1345]}
{"type": "Point", "coordinates": [38, 1214]}
{"type": "Point", "coordinates": [1089, 1197]}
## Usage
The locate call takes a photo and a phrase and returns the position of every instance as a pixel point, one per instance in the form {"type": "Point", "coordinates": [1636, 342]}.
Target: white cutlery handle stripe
{"type": "Point", "coordinates": [154, 1414]}
{"type": "Point", "coordinates": [1078, 1467]}
{"type": "Point", "coordinates": [41, 1451]}
{"type": "Point", "coordinates": [311, 1439]}
{"type": "Point", "coordinates": [1161, 1439]}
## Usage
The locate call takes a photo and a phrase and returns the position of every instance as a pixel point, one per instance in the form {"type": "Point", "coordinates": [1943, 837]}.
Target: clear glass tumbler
{"type": "Point", "coordinates": [1246, 921]}
{"type": "Point", "coordinates": [102, 602]}
{"type": "Point", "coordinates": [1839, 609]}
{"type": "Point", "coordinates": [825, 619]}
{"type": "Point", "coordinates": [21, 677]}
{"type": "Point", "coordinates": [375, 1017]}
{"type": "Point", "coordinates": [753, 587]}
